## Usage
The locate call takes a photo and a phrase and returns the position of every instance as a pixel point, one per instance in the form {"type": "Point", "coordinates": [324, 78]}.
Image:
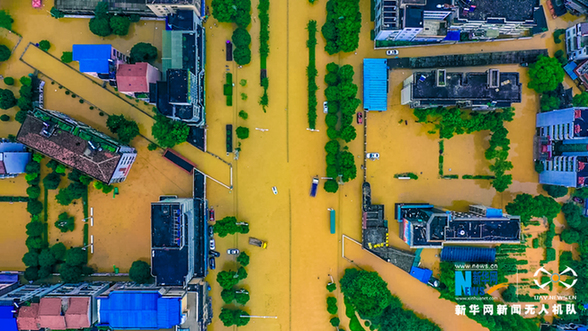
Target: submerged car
{"type": "Point", "coordinates": [359, 117]}
{"type": "Point", "coordinates": [212, 244]}
{"type": "Point", "coordinates": [391, 52]}
{"type": "Point", "coordinates": [275, 190]}
{"type": "Point", "coordinates": [233, 251]}
{"type": "Point", "coordinates": [211, 263]}
{"type": "Point", "coordinates": [214, 253]}
{"type": "Point", "coordinates": [325, 107]}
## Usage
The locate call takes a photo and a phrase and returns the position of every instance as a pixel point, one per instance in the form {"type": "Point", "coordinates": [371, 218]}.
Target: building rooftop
{"type": "Point", "coordinates": [135, 77]}
{"type": "Point", "coordinates": [375, 84]}
{"type": "Point", "coordinates": [28, 317]}
{"type": "Point", "coordinates": [76, 146]}
{"type": "Point", "coordinates": [86, 7]}
{"type": "Point", "coordinates": [77, 315]}
{"type": "Point", "coordinates": [183, 20]}
{"type": "Point", "coordinates": [50, 314]}
{"type": "Point", "coordinates": [169, 232]}
{"type": "Point", "coordinates": [7, 319]}
{"type": "Point", "coordinates": [139, 309]}
{"type": "Point", "coordinates": [474, 86]}
{"type": "Point", "coordinates": [489, 10]}
{"type": "Point", "coordinates": [92, 58]}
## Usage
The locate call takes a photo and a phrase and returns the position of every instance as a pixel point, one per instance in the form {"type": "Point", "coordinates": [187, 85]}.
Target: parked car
{"type": "Point", "coordinates": [325, 107]}
{"type": "Point", "coordinates": [212, 244]}
{"type": "Point", "coordinates": [211, 214]}
{"type": "Point", "coordinates": [210, 230]}
{"type": "Point", "coordinates": [578, 200]}
{"type": "Point", "coordinates": [275, 190]}
{"type": "Point", "coordinates": [211, 263]}
{"type": "Point", "coordinates": [359, 117]}
{"type": "Point", "coordinates": [233, 251]}
{"type": "Point", "coordinates": [214, 253]}
{"type": "Point", "coordinates": [372, 156]}
{"type": "Point", "coordinates": [391, 52]}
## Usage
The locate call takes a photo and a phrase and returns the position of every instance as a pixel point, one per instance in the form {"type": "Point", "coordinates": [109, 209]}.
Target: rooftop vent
{"type": "Point", "coordinates": [493, 78]}
{"type": "Point", "coordinates": [441, 77]}
{"type": "Point", "coordinates": [48, 129]}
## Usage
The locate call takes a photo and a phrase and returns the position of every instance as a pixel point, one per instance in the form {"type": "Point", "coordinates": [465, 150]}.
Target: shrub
{"type": "Point", "coordinates": [34, 207]}
{"type": "Point", "coordinates": [33, 192]}
{"type": "Point", "coordinates": [44, 45]}
{"type": "Point", "coordinates": [26, 81]}
{"type": "Point", "coordinates": [4, 53]}
{"type": "Point", "coordinates": [242, 132]}
{"type": "Point", "coordinates": [243, 96]}
{"type": "Point", "coordinates": [152, 146]}
{"type": "Point", "coordinates": [120, 25]}
{"type": "Point", "coordinates": [56, 13]}
{"type": "Point", "coordinates": [7, 99]}
{"type": "Point", "coordinates": [8, 80]}
{"type": "Point", "coordinates": [143, 52]}
{"type": "Point", "coordinates": [4, 118]}
{"type": "Point", "coordinates": [242, 55]}
{"type": "Point", "coordinates": [243, 114]}
{"type": "Point", "coordinates": [556, 191]}
{"type": "Point", "coordinates": [331, 186]}
{"type": "Point", "coordinates": [243, 82]}
{"type": "Point", "coordinates": [550, 254]}
{"type": "Point", "coordinates": [241, 38]}
{"type": "Point", "coordinates": [65, 222]}
{"type": "Point", "coordinates": [335, 321]}
{"type": "Point", "coordinates": [140, 272]}
{"type": "Point", "coordinates": [539, 166]}
{"type": "Point", "coordinates": [67, 57]}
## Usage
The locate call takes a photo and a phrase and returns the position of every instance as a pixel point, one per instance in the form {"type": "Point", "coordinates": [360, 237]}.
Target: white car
{"type": "Point", "coordinates": [233, 251]}
{"type": "Point", "coordinates": [325, 107]}
{"type": "Point", "coordinates": [391, 52]}
{"type": "Point", "coordinates": [275, 190]}
{"type": "Point", "coordinates": [212, 244]}
{"type": "Point", "coordinates": [372, 156]}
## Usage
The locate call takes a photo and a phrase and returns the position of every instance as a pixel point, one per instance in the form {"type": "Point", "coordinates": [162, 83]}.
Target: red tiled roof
{"type": "Point", "coordinates": [132, 77]}
{"type": "Point", "coordinates": [50, 314]}
{"type": "Point", "coordinates": [68, 149]}
{"type": "Point", "coordinates": [77, 314]}
{"type": "Point", "coordinates": [28, 317]}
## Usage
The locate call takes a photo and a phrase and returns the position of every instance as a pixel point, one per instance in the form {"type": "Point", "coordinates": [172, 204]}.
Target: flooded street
{"type": "Point", "coordinates": [288, 279]}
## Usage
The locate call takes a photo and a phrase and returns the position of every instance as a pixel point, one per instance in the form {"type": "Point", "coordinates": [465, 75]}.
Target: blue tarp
{"type": "Point", "coordinates": [493, 212]}
{"type": "Point", "coordinates": [421, 274]}
{"type": "Point", "coordinates": [375, 84]}
{"type": "Point", "coordinates": [92, 58]}
{"type": "Point", "coordinates": [7, 320]}
{"type": "Point", "coordinates": [468, 254]}
{"type": "Point", "coordinates": [452, 36]}
{"type": "Point", "coordinates": [569, 69]}
{"type": "Point", "coordinates": [144, 310]}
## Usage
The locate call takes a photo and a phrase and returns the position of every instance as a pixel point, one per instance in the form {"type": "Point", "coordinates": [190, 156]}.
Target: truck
{"type": "Point", "coordinates": [314, 187]}
{"type": "Point", "coordinates": [257, 242]}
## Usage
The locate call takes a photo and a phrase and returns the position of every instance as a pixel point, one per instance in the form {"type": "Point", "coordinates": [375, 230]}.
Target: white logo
{"type": "Point", "coordinates": [555, 277]}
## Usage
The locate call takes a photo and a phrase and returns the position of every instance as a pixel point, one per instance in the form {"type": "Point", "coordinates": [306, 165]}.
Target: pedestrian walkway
{"type": "Point", "coordinates": [111, 102]}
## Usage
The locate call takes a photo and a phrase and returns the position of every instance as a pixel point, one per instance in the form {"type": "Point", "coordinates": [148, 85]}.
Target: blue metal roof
{"type": "Point", "coordinates": [375, 84]}
{"type": "Point", "coordinates": [145, 310]}
{"type": "Point", "coordinates": [555, 117]}
{"type": "Point", "coordinates": [569, 69]}
{"type": "Point", "coordinates": [452, 35]}
{"type": "Point", "coordinates": [92, 58]}
{"type": "Point", "coordinates": [421, 274]}
{"type": "Point", "coordinates": [7, 319]}
{"type": "Point", "coordinates": [12, 147]}
{"type": "Point", "coordinates": [493, 212]}
{"type": "Point", "coordinates": [468, 254]}
{"type": "Point", "coordinates": [15, 163]}
{"type": "Point", "coordinates": [560, 178]}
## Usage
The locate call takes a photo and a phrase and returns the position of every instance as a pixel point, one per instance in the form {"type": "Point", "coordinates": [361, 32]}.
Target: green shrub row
{"type": "Point", "coordinates": [440, 165]}
{"type": "Point", "coordinates": [228, 89]}
{"type": "Point", "coordinates": [13, 199]}
{"type": "Point", "coordinates": [263, 8]}
{"type": "Point", "coordinates": [311, 73]}
{"type": "Point", "coordinates": [407, 174]}
{"type": "Point", "coordinates": [477, 177]}
{"type": "Point", "coordinates": [450, 177]}
{"type": "Point", "coordinates": [263, 100]}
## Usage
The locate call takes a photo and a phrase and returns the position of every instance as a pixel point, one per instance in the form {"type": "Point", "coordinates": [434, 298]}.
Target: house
{"type": "Point", "coordinates": [100, 61]}
{"type": "Point", "coordinates": [577, 7]}
{"type": "Point", "coordinates": [478, 90]}
{"type": "Point", "coordinates": [577, 42]}
{"type": "Point", "coordinates": [76, 145]}
{"type": "Point", "coordinates": [26, 293]}
{"type": "Point", "coordinates": [14, 158]}
{"type": "Point", "coordinates": [164, 8]}
{"type": "Point", "coordinates": [426, 226]}
{"type": "Point", "coordinates": [452, 21]}
{"type": "Point", "coordinates": [134, 79]}
{"type": "Point", "coordinates": [132, 307]}
{"type": "Point", "coordinates": [180, 97]}
{"type": "Point", "coordinates": [562, 147]}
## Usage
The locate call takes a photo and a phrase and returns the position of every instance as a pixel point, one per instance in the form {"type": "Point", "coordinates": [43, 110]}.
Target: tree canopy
{"type": "Point", "coordinates": [241, 37]}
{"type": "Point", "coordinates": [120, 25]}
{"type": "Point", "coordinates": [65, 222]}
{"type": "Point", "coordinates": [169, 133]}
{"type": "Point", "coordinates": [52, 181]}
{"type": "Point", "coordinates": [7, 99]}
{"type": "Point", "coordinates": [228, 225]}
{"type": "Point", "coordinates": [545, 74]}
{"type": "Point", "coordinates": [237, 11]}
{"type": "Point", "coordinates": [126, 129]}
{"type": "Point", "coordinates": [100, 26]}
{"type": "Point", "coordinates": [140, 272]}
{"type": "Point", "coordinates": [527, 206]}
{"type": "Point", "coordinates": [242, 55]}
{"type": "Point", "coordinates": [242, 132]}
{"type": "Point", "coordinates": [580, 100]}
{"type": "Point", "coordinates": [231, 317]}
{"type": "Point", "coordinates": [243, 259]}
{"type": "Point", "coordinates": [143, 52]}
{"type": "Point", "coordinates": [556, 191]}
{"type": "Point", "coordinates": [227, 279]}
{"type": "Point", "coordinates": [341, 30]}
{"type": "Point", "coordinates": [6, 20]}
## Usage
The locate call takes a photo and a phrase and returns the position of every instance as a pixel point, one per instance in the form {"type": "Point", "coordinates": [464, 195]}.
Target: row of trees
{"type": "Point", "coordinates": [5, 22]}
{"type": "Point", "coordinates": [104, 24]}
{"type": "Point", "coordinates": [452, 121]}
{"type": "Point", "coordinates": [242, 40]}
{"type": "Point", "coordinates": [228, 280]}
{"type": "Point", "coordinates": [263, 8]}
{"type": "Point", "coordinates": [341, 30]}
{"type": "Point", "coordinates": [238, 12]}
{"type": "Point", "coordinates": [369, 295]}
{"type": "Point", "coordinates": [229, 225]}
{"type": "Point", "coordinates": [311, 74]}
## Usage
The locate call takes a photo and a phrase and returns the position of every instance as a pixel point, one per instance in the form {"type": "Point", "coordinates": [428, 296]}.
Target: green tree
{"type": "Point", "coordinates": [227, 279]}
{"type": "Point", "coordinates": [549, 102]}
{"type": "Point", "coordinates": [331, 287]}
{"type": "Point", "coordinates": [545, 74]}
{"type": "Point", "coordinates": [8, 80]}
{"type": "Point", "coordinates": [242, 55]}
{"type": "Point", "coordinates": [76, 256]}
{"type": "Point", "coordinates": [241, 37]}
{"type": "Point", "coordinates": [126, 129]}
{"type": "Point", "coordinates": [46, 258]}
{"type": "Point", "coordinates": [348, 133]}
{"type": "Point", "coordinates": [580, 100]}
{"type": "Point", "coordinates": [242, 297]}
{"type": "Point", "coordinates": [7, 99]}
{"type": "Point", "coordinates": [70, 273]}
{"type": "Point", "coordinates": [224, 10]}
{"type": "Point", "coordinates": [6, 20]}
{"type": "Point", "coordinates": [243, 259]}
{"type": "Point", "coordinates": [169, 133]}
{"type": "Point", "coordinates": [44, 45]}
{"type": "Point", "coordinates": [31, 259]}
{"type": "Point", "coordinates": [58, 250]}
{"type": "Point", "coordinates": [243, 15]}
{"type": "Point", "coordinates": [231, 317]}
{"type": "Point", "coordinates": [242, 132]}
{"type": "Point", "coordinates": [34, 207]}
{"type": "Point", "coordinates": [243, 114]}
{"type": "Point", "coordinates": [143, 52]}
{"type": "Point", "coordinates": [140, 272]}
{"type": "Point", "coordinates": [228, 295]}
{"type": "Point", "coordinates": [34, 243]}
{"type": "Point", "coordinates": [56, 13]}
{"type": "Point", "coordinates": [100, 27]}
{"type": "Point", "coordinates": [335, 321]}
{"type": "Point", "coordinates": [101, 10]}
{"type": "Point", "coordinates": [570, 236]}
{"type": "Point", "coordinates": [331, 186]}
{"type": "Point", "coordinates": [33, 167]}
{"type": "Point", "coordinates": [502, 182]}
{"type": "Point", "coordinates": [332, 147]}
{"type": "Point", "coordinates": [227, 225]}
{"type": "Point", "coordinates": [52, 181]}
{"type": "Point", "coordinates": [4, 53]}
{"type": "Point", "coordinates": [67, 57]}
{"type": "Point", "coordinates": [556, 191]}
{"type": "Point", "coordinates": [366, 291]}
{"type": "Point", "coordinates": [33, 192]}
{"type": "Point", "coordinates": [332, 305]}
{"type": "Point", "coordinates": [31, 273]}
{"type": "Point", "coordinates": [120, 25]}
{"type": "Point", "coordinates": [4, 118]}
{"type": "Point", "coordinates": [65, 222]}
{"type": "Point", "coordinates": [241, 273]}
{"type": "Point", "coordinates": [152, 146]}
{"type": "Point", "coordinates": [45, 272]}
{"type": "Point", "coordinates": [35, 229]}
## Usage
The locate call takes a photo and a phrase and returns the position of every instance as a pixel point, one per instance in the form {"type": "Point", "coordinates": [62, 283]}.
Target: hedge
{"type": "Point", "coordinates": [311, 73]}
{"type": "Point", "coordinates": [13, 199]}
{"type": "Point", "coordinates": [263, 9]}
